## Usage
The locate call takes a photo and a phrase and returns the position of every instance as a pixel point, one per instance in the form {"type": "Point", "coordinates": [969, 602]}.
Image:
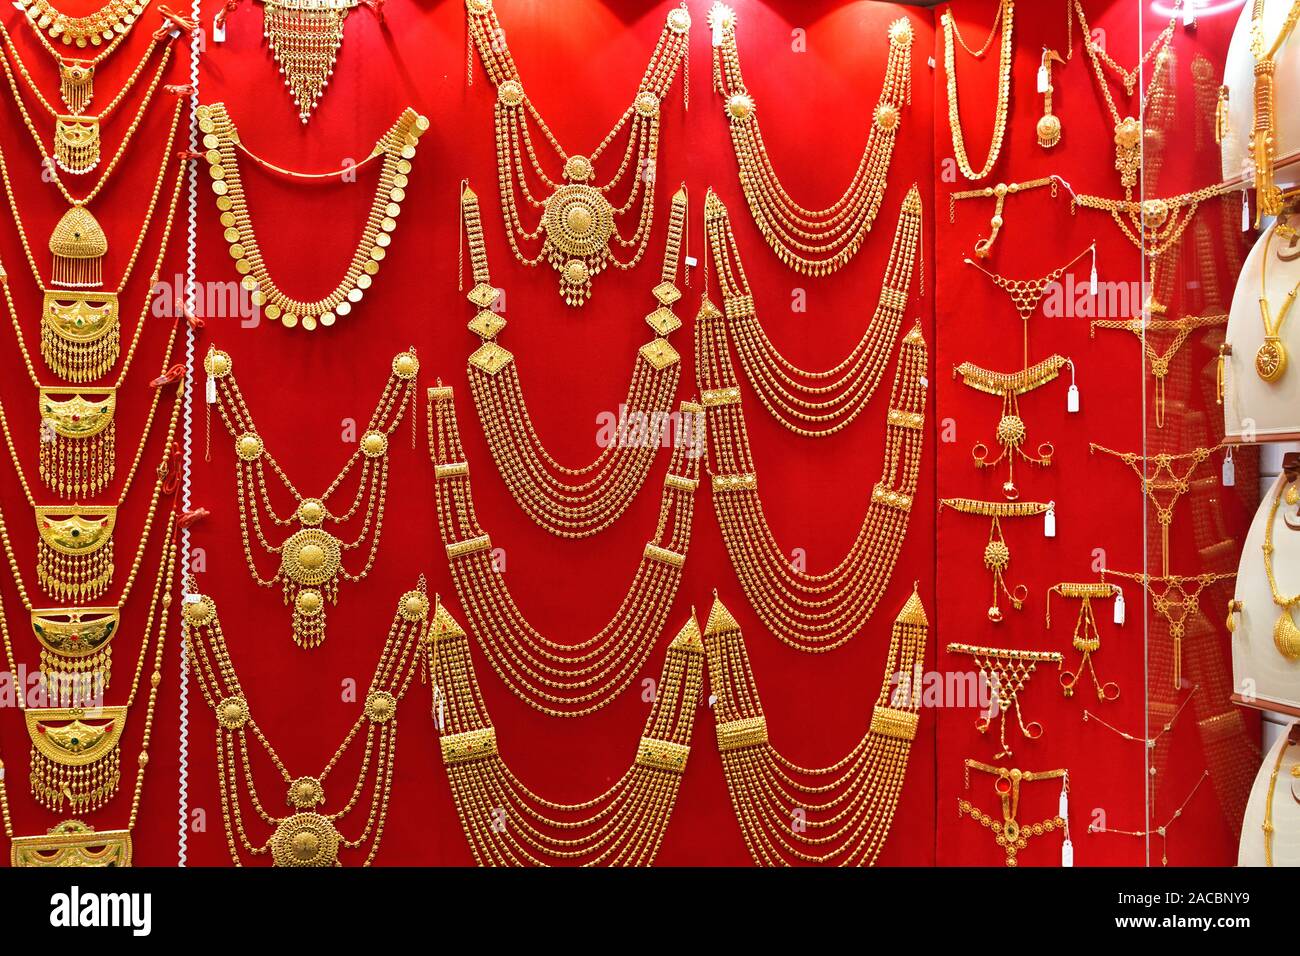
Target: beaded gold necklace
{"type": "Point", "coordinates": [1005, 17]}
{"type": "Point", "coordinates": [509, 824]}
{"type": "Point", "coordinates": [578, 221]}
{"type": "Point", "coordinates": [811, 241]}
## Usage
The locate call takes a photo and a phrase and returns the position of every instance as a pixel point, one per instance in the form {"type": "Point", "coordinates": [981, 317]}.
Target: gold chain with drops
{"type": "Point", "coordinates": [811, 612]}
{"type": "Point", "coordinates": [1005, 18]}
{"type": "Point", "coordinates": [848, 807]}
{"type": "Point", "coordinates": [811, 241]}
{"type": "Point", "coordinates": [814, 403]}
{"type": "Point", "coordinates": [1153, 225]}
{"type": "Point", "coordinates": [306, 837]}
{"type": "Point", "coordinates": [508, 824]}
{"type": "Point", "coordinates": [116, 17]}
{"type": "Point", "coordinates": [572, 502]}
{"type": "Point", "coordinates": [570, 679]}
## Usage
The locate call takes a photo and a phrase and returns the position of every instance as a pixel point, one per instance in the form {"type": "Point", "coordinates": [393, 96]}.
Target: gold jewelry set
{"type": "Point", "coordinates": [1008, 832]}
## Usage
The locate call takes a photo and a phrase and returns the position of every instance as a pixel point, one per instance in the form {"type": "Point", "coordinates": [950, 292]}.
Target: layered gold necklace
{"type": "Point", "coordinates": [509, 824]}
{"type": "Point", "coordinates": [578, 220]}
{"type": "Point", "coordinates": [1005, 17]}
{"type": "Point", "coordinates": [813, 403]}
{"type": "Point", "coordinates": [811, 241]}
{"type": "Point", "coordinates": [396, 149]}
{"type": "Point", "coordinates": [837, 815]}
{"type": "Point", "coordinates": [1263, 136]}
{"type": "Point", "coordinates": [812, 612]}
{"type": "Point", "coordinates": [306, 836]}
{"type": "Point", "coordinates": [562, 679]}
{"type": "Point", "coordinates": [311, 558]}
{"type": "Point", "coordinates": [572, 502]}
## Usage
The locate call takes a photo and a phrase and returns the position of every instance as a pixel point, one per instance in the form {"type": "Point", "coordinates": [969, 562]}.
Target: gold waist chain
{"type": "Point", "coordinates": [1009, 832]}
{"type": "Point", "coordinates": [997, 555]}
{"type": "Point", "coordinates": [307, 836]}
{"type": "Point", "coordinates": [814, 242]}
{"type": "Point", "coordinates": [1160, 831]}
{"type": "Point", "coordinates": [577, 219]}
{"type": "Point", "coordinates": [573, 502]}
{"type": "Point", "coordinates": [1086, 638]}
{"type": "Point", "coordinates": [562, 679]}
{"type": "Point", "coordinates": [814, 403]}
{"type": "Point", "coordinates": [1153, 225]}
{"type": "Point", "coordinates": [507, 823]}
{"type": "Point", "coordinates": [311, 558]}
{"type": "Point", "coordinates": [999, 194]}
{"type": "Point", "coordinates": [811, 612]}
{"type": "Point", "coordinates": [1006, 671]}
{"type": "Point", "coordinates": [836, 815]}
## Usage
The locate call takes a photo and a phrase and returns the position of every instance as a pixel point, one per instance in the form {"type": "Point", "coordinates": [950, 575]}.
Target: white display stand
{"type": "Point", "coordinates": [1286, 812]}
{"type": "Point", "coordinates": [1239, 78]}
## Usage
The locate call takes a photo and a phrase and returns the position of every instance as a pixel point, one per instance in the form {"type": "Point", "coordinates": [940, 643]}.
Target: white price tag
{"type": "Point", "coordinates": [930, 62]}
{"type": "Point", "coordinates": [210, 392]}
{"type": "Point", "coordinates": [692, 262]}
{"type": "Point", "coordinates": [1072, 399]}
{"type": "Point", "coordinates": [1044, 79]}
{"type": "Point", "coordinates": [218, 30]}
{"type": "Point", "coordinates": [1067, 853]}
{"type": "Point", "coordinates": [1119, 608]}
{"type": "Point", "coordinates": [1092, 282]}
{"type": "Point", "coordinates": [1229, 472]}
{"type": "Point", "coordinates": [717, 31]}
{"type": "Point", "coordinates": [925, 382]}
{"type": "Point", "coordinates": [1049, 523]}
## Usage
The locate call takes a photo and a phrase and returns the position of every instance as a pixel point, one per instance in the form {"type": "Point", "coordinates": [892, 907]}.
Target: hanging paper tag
{"type": "Point", "coordinates": [1092, 282]}
{"type": "Point", "coordinates": [1072, 399]}
{"type": "Point", "coordinates": [930, 62]}
{"type": "Point", "coordinates": [1044, 79]}
{"type": "Point", "coordinates": [1119, 608]}
{"type": "Point", "coordinates": [925, 382]}
{"type": "Point", "coordinates": [1063, 805]}
{"type": "Point", "coordinates": [1229, 472]}
{"type": "Point", "coordinates": [717, 31]}
{"type": "Point", "coordinates": [1189, 14]}
{"type": "Point", "coordinates": [191, 597]}
{"type": "Point", "coordinates": [1245, 211]}
{"type": "Point", "coordinates": [1049, 523]}
{"type": "Point", "coordinates": [211, 391]}
{"type": "Point", "coordinates": [218, 30]}
{"type": "Point", "coordinates": [1067, 854]}
{"type": "Point", "coordinates": [713, 699]}
{"type": "Point", "coordinates": [692, 262]}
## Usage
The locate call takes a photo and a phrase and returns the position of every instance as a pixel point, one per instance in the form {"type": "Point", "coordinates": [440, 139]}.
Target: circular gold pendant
{"type": "Point", "coordinates": [886, 117]}
{"type": "Point", "coordinates": [305, 839]}
{"type": "Point", "coordinates": [1011, 431]}
{"type": "Point", "coordinates": [997, 556]}
{"type": "Point", "coordinates": [1128, 134]}
{"type": "Point", "coordinates": [310, 557]}
{"type": "Point", "coordinates": [1270, 360]}
{"type": "Point", "coordinates": [740, 106]}
{"type": "Point", "coordinates": [578, 220]}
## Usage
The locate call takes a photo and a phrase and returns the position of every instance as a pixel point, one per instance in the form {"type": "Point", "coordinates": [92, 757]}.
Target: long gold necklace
{"type": "Point", "coordinates": [813, 403]}
{"type": "Point", "coordinates": [306, 837]}
{"type": "Point", "coordinates": [104, 28]}
{"type": "Point", "coordinates": [1263, 136]}
{"type": "Point", "coordinates": [840, 814]}
{"type": "Point", "coordinates": [1271, 358]}
{"type": "Point", "coordinates": [1006, 671]}
{"type": "Point", "coordinates": [1009, 833]}
{"type": "Point", "coordinates": [811, 612]}
{"type": "Point", "coordinates": [578, 220]}
{"type": "Point", "coordinates": [1087, 638]}
{"type": "Point", "coordinates": [572, 502]}
{"type": "Point", "coordinates": [311, 558]}
{"type": "Point", "coordinates": [396, 148]}
{"type": "Point", "coordinates": [1286, 635]}
{"type": "Point", "coordinates": [997, 555]}
{"type": "Point", "coordinates": [75, 751]}
{"type": "Point", "coordinates": [507, 823]}
{"type": "Point", "coordinates": [562, 679]}
{"type": "Point", "coordinates": [1005, 18]}
{"type": "Point", "coordinates": [811, 241]}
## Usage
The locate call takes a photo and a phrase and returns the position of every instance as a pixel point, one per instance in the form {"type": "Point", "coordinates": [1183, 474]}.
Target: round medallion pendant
{"type": "Point", "coordinates": [1128, 134]}
{"type": "Point", "coordinates": [1270, 360]}
{"type": "Point", "coordinates": [740, 106]}
{"type": "Point", "coordinates": [578, 220]}
{"type": "Point", "coordinates": [997, 556]}
{"type": "Point", "coordinates": [305, 839]}
{"type": "Point", "coordinates": [886, 117]}
{"type": "Point", "coordinates": [310, 557]}
{"type": "Point", "coordinates": [1011, 431]}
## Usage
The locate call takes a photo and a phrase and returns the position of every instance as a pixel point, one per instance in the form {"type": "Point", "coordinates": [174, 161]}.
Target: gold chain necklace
{"type": "Point", "coordinates": [578, 219]}
{"type": "Point", "coordinates": [840, 814]}
{"type": "Point", "coordinates": [222, 143]}
{"type": "Point", "coordinates": [562, 679]}
{"type": "Point", "coordinates": [1086, 638]}
{"type": "Point", "coordinates": [811, 612]}
{"type": "Point", "coordinates": [306, 837]}
{"type": "Point", "coordinates": [997, 555]}
{"type": "Point", "coordinates": [811, 241]}
{"type": "Point", "coordinates": [508, 824]}
{"type": "Point", "coordinates": [1263, 136]}
{"type": "Point", "coordinates": [1007, 671]}
{"type": "Point", "coordinates": [1286, 635]}
{"type": "Point", "coordinates": [1005, 18]}
{"type": "Point", "coordinates": [813, 403]}
{"type": "Point", "coordinates": [1271, 358]}
{"type": "Point", "coordinates": [304, 36]}
{"type": "Point", "coordinates": [1160, 831]}
{"type": "Point", "coordinates": [75, 751]}
{"type": "Point", "coordinates": [1292, 740]}
{"type": "Point", "coordinates": [311, 558]}
{"type": "Point", "coordinates": [572, 502]}
{"type": "Point", "coordinates": [1009, 833]}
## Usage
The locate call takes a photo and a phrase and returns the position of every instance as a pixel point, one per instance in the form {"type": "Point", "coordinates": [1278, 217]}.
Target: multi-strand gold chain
{"type": "Point", "coordinates": [578, 221]}
{"type": "Point", "coordinates": [307, 836]}
{"type": "Point", "coordinates": [573, 502]}
{"type": "Point", "coordinates": [811, 241]}
{"type": "Point", "coordinates": [396, 148]}
{"type": "Point", "coordinates": [1005, 18]}
{"type": "Point", "coordinates": [813, 403]}
{"type": "Point", "coordinates": [811, 612]}
{"type": "Point", "coordinates": [997, 555]}
{"type": "Point", "coordinates": [562, 679]}
{"type": "Point", "coordinates": [836, 815]}
{"type": "Point", "coordinates": [311, 558]}
{"type": "Point", "coordinates": [507, 823]}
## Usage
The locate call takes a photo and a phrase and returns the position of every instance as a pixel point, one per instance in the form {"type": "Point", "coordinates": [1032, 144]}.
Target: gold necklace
{"type": "Point", "coordinates": [561, 679]}
{"type": "Point", "coordinates": [578, 219]}
{"type": "Point", "coordinates": [1086, 638]}
{"type": "Point", "coordinates": [997, 556]}
{"type": "Point", "coordinates": [1271, 358]}
{"type": "Point", "coordinates": [811, 612]}
{"type": "Point", "coordinates": [1008, 832]}
{"type": "Point", "coordinates": [999, 194]}
{"type": "Point", "coordinates": [1011, 431]}
{"type": "Point", "coordinates": [75, 751]}
{"type": "Point", "coordinates": [304, 36]}
{"type": "Point", "coordinates": [311, 558]}
{"type": "Point", "coordinates": [508, 824]}
{"type": "Point", "coordinates": [1263, 136]}
{"type": "Point", "coordinates": [1292, 740]}
{"type": "Point", "coordinates": [572, 502]}
{"type": "Point", "coordinates": [396, 148]}
{"type": "Point", "coordinates": [811, 241]}
{"type": "Point", "coordinates": [1160, 831]}
{"type": "Point", "coordinates": [813, 403]}
{"type": "Point", "coordinates": [1286, 635]}
{"type": "Point", "coordinates": [840, 814]}
{"type": "Point", "coordinates": [306, 837]}
{"type": "Point", "coordinates": [1026, 294]}
{"type": "Point", "coordinates": [1005, 18]}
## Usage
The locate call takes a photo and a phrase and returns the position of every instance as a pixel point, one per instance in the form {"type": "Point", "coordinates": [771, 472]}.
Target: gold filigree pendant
{"type": "Point", "coordinates": [1128, 151]}
{"type": "Point", "coordinates": [78, 446]}
{"type": "Point", "coordinates": [579, 222]}
{"type": "Point", "coordinates": [80, 333]}
{"type": "Point", "coordinates": [76, 649]}
{"type": "Point", "coordinates": [310, 560]}
{"type": "Point", "coordinates": [1271, 359]}
{"type": "Point", "coordinates": [76, 84]}
{"type": "Point", "coordinates": [75, 756]}
{"type": "Point", "coordinates": [76, 143]}
{"type": "Point", "coordinates": [1286, 636]}
{"type": "Point", "coordinates": [74, 559]}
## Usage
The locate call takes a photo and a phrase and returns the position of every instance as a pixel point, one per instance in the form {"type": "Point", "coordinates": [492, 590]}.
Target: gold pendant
{"type": "Point", "coordinates": [75, 644]}
{"type": "Point", "coordinates": [78, 440]}
{"type": "Point", "coordinates": [74, 559]}
{"type": "Point", "coordinates": [1049, 130]}
{"type": "Point", "coordinates": [310, 560]}
{"type": "Point", "coordinates": [80, 337]}
{"type": "Point", "coordinates": [76, 84]}
{"type": "Point", "coordinates": [78, 245]}
{"type": "Point", "coordinates": [304, 37]}
{"type": "Point", "coordinates": [1286, 636]}
{"type": "Point", "coordinates": [75, 755]}
{"type": "Point", "coordinates": [1128, 151]}
{"type": "Point", "coordinates": [73, 844]}
{"type": "Point", "coordinates": [76, 143]}
{"type": "Point", "coordinates": [1270, 360]}
{"type": "Point", "coordinates": [305, 839]}
{"type": "Point", "coordinates": [579, 222]}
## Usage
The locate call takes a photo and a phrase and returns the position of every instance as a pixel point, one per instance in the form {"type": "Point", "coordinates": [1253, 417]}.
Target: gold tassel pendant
{"type": "Point", "coordinates": [80, 334]}
{"type": "Point", "coordinates": [76, 84]}
{"type": "Point", "coordinates": [74, 558]}
{"type": "Point", "coordinates": [304, 37]}
{"type": "Point", "coordinates": [75, 756]}
{"type": "Point", "coordinates": [76, 651]}
{"type": "Point", "coordinates": [78, 245]}
{"type": "Point", "coordinates": [78, 447]}
{"type": "Point", "coordinates": [76, 143]}
{"type": "Point", "coordinates": [1263, 144]}
{"type": "Point", "coordinates": [310, 562]}
{"type": "Point", "coordinates": [1128, 151]}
